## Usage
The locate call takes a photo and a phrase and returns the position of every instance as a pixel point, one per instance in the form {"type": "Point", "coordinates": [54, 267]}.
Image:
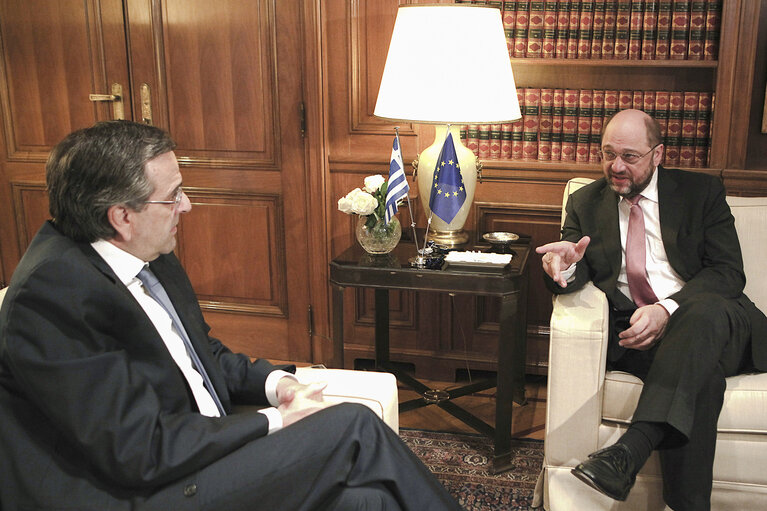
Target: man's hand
{"type": "Point", "coordinates": [647, 326]}
{"type": "Point", "coordinates": [560, 255]}
{"type": "Point", "coordinates": [298, 400]}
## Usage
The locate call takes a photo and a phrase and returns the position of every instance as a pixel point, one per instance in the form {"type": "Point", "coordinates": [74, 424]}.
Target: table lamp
{"type": "Point", "coordinates": [448, 65]}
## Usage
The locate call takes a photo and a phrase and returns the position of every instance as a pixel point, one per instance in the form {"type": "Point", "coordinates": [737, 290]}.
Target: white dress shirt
{"type": "Point", "coordinates": [126, 266]}
{"type": "Point", "coordinates": [663, 279]}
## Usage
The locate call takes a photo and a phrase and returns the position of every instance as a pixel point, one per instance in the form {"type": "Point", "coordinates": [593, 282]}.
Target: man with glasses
{"type": "Point", "coordinates": [114, 396]}
{"type": "Point", "coordinates": [661, 244]}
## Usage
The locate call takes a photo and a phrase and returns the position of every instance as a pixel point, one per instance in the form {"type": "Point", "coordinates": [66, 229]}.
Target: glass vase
{"type": "Point", "coordinates": [379, 239]}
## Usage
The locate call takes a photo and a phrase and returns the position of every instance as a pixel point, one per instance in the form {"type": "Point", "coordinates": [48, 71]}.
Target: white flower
{"type": "Point", "coordinates": [363, 203]}
{"type": "Point", "coordinates": [373, 183]}
{"type": "Point", "coordinates": [345, 205]}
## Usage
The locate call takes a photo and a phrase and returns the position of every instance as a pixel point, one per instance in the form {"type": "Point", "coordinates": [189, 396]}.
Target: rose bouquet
{"type": "Point", "coordinates": [369, 202]}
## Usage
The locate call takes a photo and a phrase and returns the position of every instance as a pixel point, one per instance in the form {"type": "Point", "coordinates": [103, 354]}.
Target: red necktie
{"type": "Point", "coordinates": [636, 269]}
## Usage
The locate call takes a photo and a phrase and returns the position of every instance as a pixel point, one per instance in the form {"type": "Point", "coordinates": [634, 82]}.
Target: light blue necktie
{"type": "Point", "coordinates": [157, 292]}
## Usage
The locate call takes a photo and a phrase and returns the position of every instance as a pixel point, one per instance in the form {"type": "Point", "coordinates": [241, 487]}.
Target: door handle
{"type": "Point", "coordinates": [116, 98]}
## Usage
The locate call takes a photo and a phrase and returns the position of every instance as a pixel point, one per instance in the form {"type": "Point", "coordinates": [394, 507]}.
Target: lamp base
{"type": "Point", "coordinates": [448, 239]}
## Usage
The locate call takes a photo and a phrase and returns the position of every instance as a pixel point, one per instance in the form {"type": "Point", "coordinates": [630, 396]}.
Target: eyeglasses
{"type": "Point", "coordinates": [176, 199]}
{"type": "Point", "coordinates": [628, 158]}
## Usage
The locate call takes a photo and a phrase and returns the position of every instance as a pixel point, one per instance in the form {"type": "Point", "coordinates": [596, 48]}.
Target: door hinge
{"type": "Point", "coordinates": [302, 118]}
{"type": "Point", "coordinates": [311, 321]}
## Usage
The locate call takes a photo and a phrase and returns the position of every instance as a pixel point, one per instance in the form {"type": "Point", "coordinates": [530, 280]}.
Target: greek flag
{"type": "Point", "coordinates": [447, 193]}
{"type": "Point", "coordinates": [397, 186]}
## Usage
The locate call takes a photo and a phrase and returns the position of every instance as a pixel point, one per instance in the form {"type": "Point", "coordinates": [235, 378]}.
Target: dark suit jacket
{"type": "Point", "coordinates": [94, 411]}
{"type": "Point", "coordinates": [698, 234]}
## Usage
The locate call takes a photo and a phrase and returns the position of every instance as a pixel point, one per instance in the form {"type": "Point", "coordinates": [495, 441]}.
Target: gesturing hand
{"type": "Point", "coordinates": [560, 255]}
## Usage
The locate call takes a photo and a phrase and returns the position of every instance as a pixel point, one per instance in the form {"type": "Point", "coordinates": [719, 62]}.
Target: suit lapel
{"type": "Point", "coordinates": [671, 204]}
{"type": "Point", "coordinates": [607, 215]}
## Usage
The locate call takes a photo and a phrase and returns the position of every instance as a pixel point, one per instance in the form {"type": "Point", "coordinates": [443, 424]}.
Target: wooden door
{"type": "Point", "coordinates": [224, 78]}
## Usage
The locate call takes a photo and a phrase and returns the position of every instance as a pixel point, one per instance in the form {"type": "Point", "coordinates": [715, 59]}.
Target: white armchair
{"type": "Point", "coordinates": [589, 408]}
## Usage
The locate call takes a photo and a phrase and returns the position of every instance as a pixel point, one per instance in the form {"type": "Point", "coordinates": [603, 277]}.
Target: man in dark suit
{"type": "Point", "coordinates": [679, 319]}
{"type": "Point", "coordinates": [113, 396]}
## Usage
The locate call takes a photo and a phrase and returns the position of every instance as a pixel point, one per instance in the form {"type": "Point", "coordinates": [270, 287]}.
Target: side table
{"type": "Point", "coordinates": [356, 268]}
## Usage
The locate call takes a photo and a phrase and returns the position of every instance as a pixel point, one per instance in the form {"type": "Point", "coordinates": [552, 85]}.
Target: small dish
{"type": "Point", "coordinates": [500, 237]}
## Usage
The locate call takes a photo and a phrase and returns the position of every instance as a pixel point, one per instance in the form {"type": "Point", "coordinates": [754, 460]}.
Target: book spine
{"type": "Point", "coordinates": [713, 24]}
{"type": "Point", "coordinates": [697, 30]}
{"type": "Point", "coordinates": [495, 141]}
{"type": "Point", "coordinates": [635, 30]}
{"type": "Point", "coordinates": [509, 14]}
{"type": "Point", "coordinates": [649, 29]}
{"type": "Point", "coordinates": [597, 118]}
{"type": "Point", "coordinates": [573, 29]}
{"type": "Point", "coordinates": [585, 29]}
{"type": "Point", "coordinates": [563, 27]}
{"type": "Point", "coordinates": [570, 125]}
{"type": "Point", "coordinates": [557, 116]}
{"type": "Point", "coordinates": [689, 118]}
{"type": "Point", "coordinates": [549, 49]}
{"type": "Point", "coordinates": [584, 126]}
{"type": "Point", "coordinates": [518, 128]}
{"type": "Point", "coordinates": [472, 140]}
{"type": "Point", "coordinates": [598, 29]}
{"type": "Point", "coordinates": [521, 24]}
{"type": "Point", "coordinates": [702, 129]}
{"type": "Point", "coordinates": [674, 132]}
{"type": "Point", "coordinates": [484, 141]}
{"type": "Point", "coordinates": [611, 105]}
{"type": "Point", "coordinates": [680, 27]}
{"type": "Point", "coordinates": [637, 100]}
{"type": "Point", "coordinates": [625, 99]}
{"type": "Point", "coordinates": [608, 31]}
{"type": "Point", "coordinates": [463, 133]}
{"type": "Point", "coordinates": [530, 133]}
{"type": "Point", "coordinates": [506, 130]}
{"type": "Point", "coordinates": [622, 22]}
{"type": "Point", "coordinates": [544, 124]}
{"type": "Point", "coordinates": [535, 29]}
{"type": "Point", "coordinates": [648, 102]}
{"type": "Point", "coordinates": [661, 112]}
{"type": "Point", "coordinates": [663, 38]}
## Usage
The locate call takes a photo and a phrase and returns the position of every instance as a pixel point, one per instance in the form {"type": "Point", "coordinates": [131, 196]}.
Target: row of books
{"type": "Point", "coordinates": [611, 29]}
{"type": "Point", "coordinates": [566, 124]}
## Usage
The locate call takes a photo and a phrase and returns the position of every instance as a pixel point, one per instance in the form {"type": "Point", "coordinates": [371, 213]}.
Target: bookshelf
{"type": "Point", "coordinates": [700, 34]}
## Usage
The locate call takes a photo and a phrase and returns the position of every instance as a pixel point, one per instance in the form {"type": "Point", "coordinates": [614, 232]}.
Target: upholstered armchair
{"type": "Point", "coordinates": [589, 408]}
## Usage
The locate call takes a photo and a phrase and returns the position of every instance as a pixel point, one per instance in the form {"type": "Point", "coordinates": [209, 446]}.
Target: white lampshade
{"type": "Point", "coordinates": [448, 64]}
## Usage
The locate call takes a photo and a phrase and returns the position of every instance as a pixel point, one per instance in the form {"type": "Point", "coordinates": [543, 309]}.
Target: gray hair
{"type": "Point", "coordinates": [96, 168]}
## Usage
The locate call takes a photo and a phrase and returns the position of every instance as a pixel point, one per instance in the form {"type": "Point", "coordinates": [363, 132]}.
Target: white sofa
{"type": "Point", "coordinates": [589, 408]}
{"type": "Point", "coordinates": [376, 390]}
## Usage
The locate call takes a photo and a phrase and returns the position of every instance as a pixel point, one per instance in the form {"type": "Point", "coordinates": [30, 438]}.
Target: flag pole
{"type": "Point", "coordinates": [407, 195]}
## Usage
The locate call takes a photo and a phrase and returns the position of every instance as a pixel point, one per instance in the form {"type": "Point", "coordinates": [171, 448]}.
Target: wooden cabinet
{"type": "Point", "coordinates": [442, 336]}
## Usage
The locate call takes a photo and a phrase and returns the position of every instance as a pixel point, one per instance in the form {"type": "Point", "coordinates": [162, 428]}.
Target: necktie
{"type": "Point", "coordinates": [636, 269]}
{"type": "Point", "coordinates": [157, 292]}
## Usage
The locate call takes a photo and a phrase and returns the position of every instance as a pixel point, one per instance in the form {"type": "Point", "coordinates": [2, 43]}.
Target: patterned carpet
{"type": "Point", "coordinates": [462, 463]}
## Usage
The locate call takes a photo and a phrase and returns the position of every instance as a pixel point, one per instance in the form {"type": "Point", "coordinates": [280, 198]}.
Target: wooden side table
{"type": "Point", "coordinates": [355, 268]}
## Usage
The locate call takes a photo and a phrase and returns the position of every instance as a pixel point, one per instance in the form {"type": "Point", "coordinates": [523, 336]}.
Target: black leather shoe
{"type": "Point", "coordinates": [610, 470]}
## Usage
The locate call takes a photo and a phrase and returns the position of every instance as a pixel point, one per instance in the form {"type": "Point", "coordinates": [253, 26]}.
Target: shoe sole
{"type": "Point", "coordinates": [577, 472]}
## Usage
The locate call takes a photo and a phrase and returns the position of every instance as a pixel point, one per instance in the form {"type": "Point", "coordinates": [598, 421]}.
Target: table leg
{"type": "Point", "coordinates": [507, 367]}
{"type": "Point", "coordinates": [338, 326]}
{"type": "Point", "coordinates": [382, 326]}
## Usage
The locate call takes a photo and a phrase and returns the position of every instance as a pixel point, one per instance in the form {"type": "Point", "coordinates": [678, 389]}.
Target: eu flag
{"type": "Point", "coordinates": [447, 192]}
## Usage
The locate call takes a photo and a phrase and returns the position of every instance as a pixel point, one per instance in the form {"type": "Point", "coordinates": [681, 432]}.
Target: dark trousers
{"type": "Point", "coordinates": [706, 340]}
{"type": "Point", "coordinates": [342, 458]}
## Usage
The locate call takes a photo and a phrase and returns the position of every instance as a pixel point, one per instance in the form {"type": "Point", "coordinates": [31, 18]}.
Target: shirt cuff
{"type": "Point", "coordinates": [270, 387]}
{"type": "Point", "coordinates": [670, 305]}
{"type": "Point", "coordinates": [273, 417]}
{"type": "Point", "coordinates": [569, 273]}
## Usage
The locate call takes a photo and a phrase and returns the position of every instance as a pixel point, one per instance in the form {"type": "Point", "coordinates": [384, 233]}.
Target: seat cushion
{"type": "Point", "coordinates": [744, 410]}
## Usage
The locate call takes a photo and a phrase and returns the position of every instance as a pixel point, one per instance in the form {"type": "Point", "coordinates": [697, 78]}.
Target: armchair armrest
{"type": "Point", "coordinates": [577, 352]}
